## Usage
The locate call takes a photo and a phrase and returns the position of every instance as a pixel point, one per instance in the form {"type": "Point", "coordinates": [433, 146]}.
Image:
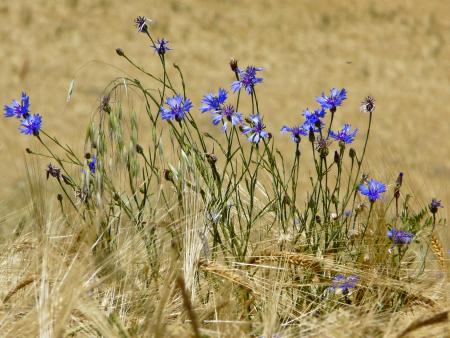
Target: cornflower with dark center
{"type": "Point", "coordinates": [225, 115]}
{"type": "Point", "coordinates": [141, 24]}
{"type": "Point", "coordinates": [373, 190]}
{"type": "Point", "coordinates": [31, 125]}
{"type": "Point", "coordinates": [340, 282]}
{"type": "Point", "coordinates": [313, 120]}
{"type": "Point", "coordinates": [367, 105]}
{"type": "Point", "coordinates": [435, 205]}
{"type": "Point", "coordinates": [344, 135]}
{"type": "Point", "coordinates": [160, 46]}
{"type": "Point", "coordinates": [247, 79]}
{"type": "Point", "coordinates": [296, 132]}
{"type": "Point", "coordinates": [334, 100]}
{"type": "Point", "coordinates": [18, 110]}
{"type": "Point", "coordinates": [178, 108]}
{"type": "Point", "coordinates": [213, 102]}
{"type": "Point", "coordinates": [255, 129]}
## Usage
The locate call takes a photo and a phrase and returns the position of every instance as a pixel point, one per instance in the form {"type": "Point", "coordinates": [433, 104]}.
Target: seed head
{"type": "Point", "coordinates": [368, 105]}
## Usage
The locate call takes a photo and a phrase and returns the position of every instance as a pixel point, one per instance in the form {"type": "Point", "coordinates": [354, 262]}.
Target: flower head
{"type": "Point", "coordinates": [141, 24]}
{"type": "Point", "coordinates": [255, 129]}
{"type": "Point", "coordinates": [19, 110]}
{"type": "Point", "coordinates": [53, 171]}
{"type": "Point", "coordinates": [31, 125]}
{"type": "Point", "coordinates": [340, 282]}
{"type": "Point", "coordinates": [434, 205]}
{"type": "Point", "coordinates": [313, 120]}
{"type": "Point", "coordinates": [334, 100]}
{"type": "Point", "coordinates": [372, 190]}
{"type": "Point", "coordinates": [92, 164]}
{"type": "Point", "coordinates": [213, 102]}
{"type": "Point", "coordinates": [178, 108]}
{"type": "Point", "coordinates": [400, 236]}
{"type": "Point", "coordinates": [344, 135]}
{"type": "Point", "coordinates": [160, 46]}
{"type": "Point", "coordinates": [247, 79]}
{"type": "Point", "coordinates": [225, 115]}
{"type": "Point", "coordinates": [296, 132]}
{"type": "Point", "coordinates": [368, 105]}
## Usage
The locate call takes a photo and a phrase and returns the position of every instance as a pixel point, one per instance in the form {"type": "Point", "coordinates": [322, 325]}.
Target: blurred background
{"type": "Point", "coordinates": [398, 51]}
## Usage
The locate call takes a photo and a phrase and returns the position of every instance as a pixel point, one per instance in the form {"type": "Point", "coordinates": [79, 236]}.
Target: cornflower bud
{"type": "Point", "coordinates": [234, 64]}
{"type": "Point", "coordinates": [337, 157]}
{"type": "Point", "coordinates": [120, 52]}
{"type": "Point", "coordinates": [139, 149]}
{"type": "Point", "coordinates": [352, 153]}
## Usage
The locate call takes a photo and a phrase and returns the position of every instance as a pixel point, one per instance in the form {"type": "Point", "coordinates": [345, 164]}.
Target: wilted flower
{"type": "Point", "coordinates": [141, 24]}
{"type": "Point", "coordinates": [344, 135]}
{"type": "Point", "coordinates": [340, 282]}
{"type": "Point", "coordinates": [53, 171]}
{"type": "Point", "coordinates": [247, 79]}
{"type": "Point", "coordinates": [178, 108]}
{"type": "Point", "coordinates": [19, 110]}
{"type": "Point", "coordinates": [434, 205]}
{"type": "Point", "coordinates": [368, 105]}
{"type": "Point", "coordinates": [92, 164]}
{"type": "Point", "coordinates": [296, 132]}
{"type": "Point", "coordinates": [322, 146]}
{"type": "Point", "coordinates": [255, 129]}
{"type": "Point", "coordinates": [372, 190]}
{"type": "Point", "coordinates": [334, 100]}
{"type": "Point", "coordinates": [213, 102]}
{"type": "Point", "coordinates": [400, 236]}
{"type": "Point", "coordinates": [31, 125]}
{"type": "Point", "coordinates": [160, 46]}
{"type": "Point", "coordinates": [225, 115]}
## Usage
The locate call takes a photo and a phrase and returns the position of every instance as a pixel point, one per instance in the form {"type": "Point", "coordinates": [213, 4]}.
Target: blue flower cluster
{"type": "Point", "coordinates": [221, 113]}
{"type": "Point", "coordinates": [314, 119]}
{"type": "Point", "coordinates": [160, 46]}
{"type": "Point", "coordinates": [400, 236]}
{"type": "Point", "coordinates": [30, 124]}
{"type": "Point", "coordinates": [177, 108]}
{"type": "Point", "coordinates": [247, 79]}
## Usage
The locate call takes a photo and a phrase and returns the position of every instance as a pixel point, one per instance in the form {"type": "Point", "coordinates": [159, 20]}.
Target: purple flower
{"type": "Point", "coordinates": [340, 282]}
{"type": "Point", "coordinates": [247, 79]}
{"type": "Point", "coordinates": [92, 164]}
{"type": "Point", "coordinates": [160, 46]}
{"type": "Point", "coordinates": [255, 129]}
{"type": "Point", "coordinates": [296, 132]}
{"type": "Point", "coordinates": [344, 135]}
{"type": "Point", "coordinates": [372, 190]}
{"type": "Point", "coordinates": [225, 115]}
{"type": "Point", "coordinates": [31, 125]}
{"type": "Point", "coordinates": [213, 102]}
{"type": "Point", "coordinates": [178, 108]}
{"type": "Point", "coordinates": [400, 236]}
{"type": "Point", "coordinates": [334, 100]}
{"type": "Point", "coordinates": [19, 110]}
{"type": "Point", "coordinates": [434, 205]}
{"type": "Point", "coordinates": [141, 24]}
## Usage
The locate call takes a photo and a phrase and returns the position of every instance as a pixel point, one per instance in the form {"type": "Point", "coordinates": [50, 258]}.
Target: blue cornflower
{"type": "Point", "coordinates": [313, 120]}
{"type": "Point", "coordinates": [255, 129]}
{"type": "Point", "coordinates": [178, 108]}
{"type": "Point", "coordinates": [434, 205]}
{"type": "Point", "coordinates": [344, 135]}
{"type": "Point", "coordinates": [141, 24]}
{"type": "Point", "coordinates": [372, 190]}
{"type": "Point", "coordinates": [225, 115]}
{"type": "Point", "coordinates": [247, 79]}
{"type": "Point", "coordinates": [19, 110]}
{"type": "Point", "coordinates": [160, 46]}
{"type": "Point", "coordinates": [340, 282]}
{"type": "Point", "coordinates": [92, 164]}
{"type": "Point", "coordinates": [400, 236]}
{"type": "Point", "coordinates": [335, 99]}
{"type": "Point", "coordinates": [31, 125]}
{"type": "Point", "coordinates": [296, 132]}
{"type": "Point", "coordinates": [213, 102]}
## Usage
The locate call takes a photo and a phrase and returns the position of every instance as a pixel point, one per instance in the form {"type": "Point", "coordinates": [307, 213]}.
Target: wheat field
{"type": "Point", "coordinates": [396, 51]}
